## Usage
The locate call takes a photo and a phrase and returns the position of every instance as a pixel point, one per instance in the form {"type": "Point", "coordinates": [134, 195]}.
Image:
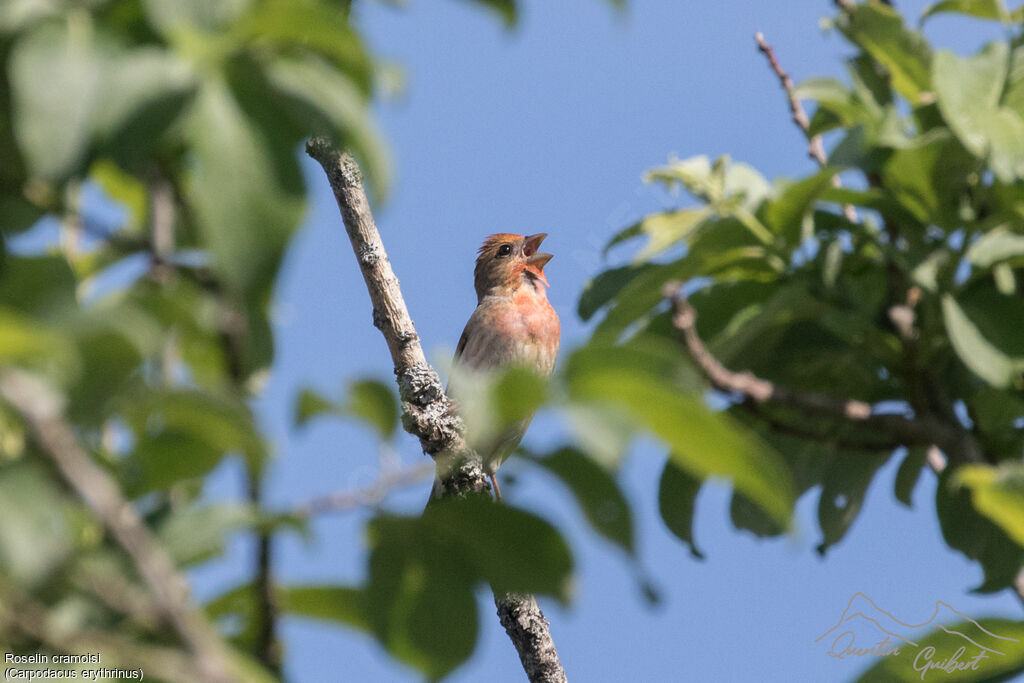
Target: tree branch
{"type": "Point", "coordinates": [42, 410]}
{"type": "Point", "coordinates": [364, 497]}
{"type": "Point", "coordinates": [815, 148]}
{"type": "Point", "coordinates": [428, 413]}
{"type": "Point", "coordinates": [906, 430]}
{"type": "Point", "coordinates": [528, 629]}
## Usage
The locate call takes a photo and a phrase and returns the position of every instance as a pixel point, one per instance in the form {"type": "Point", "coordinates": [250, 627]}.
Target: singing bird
{"type": "Point", "coordinates": [513, 324]}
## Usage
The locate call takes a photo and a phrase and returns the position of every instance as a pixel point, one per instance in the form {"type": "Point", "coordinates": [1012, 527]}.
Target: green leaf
{"type": "Point", "coordinates": [327, 102]}
{"type": "Point", "coordinates": [506, 9]}
{"type": "Point", "coordinates": [976, 352]}
{"type": "Point", "coordinates": [997, 493]}
{"type": "Point", "coordinates": [198, 533]}
{"type": "Point", "coordinates": [374, 402]}
{"type": "Point", "coordinates": [17, 14]}
{"type": "Point", "coordinates": [880, 31]}
{"type": "Point", "coordinates": [196, 427]}
{"type": "Point", "coordinates": [311, 404]}
{"type": "Point", "coordinates": [596, 492]}
{"type": "Point", "coordinates": [176, 18]}
{"type": "Point", "coordinates": [846, 482]}
{"type": "Point", "coordinates": [34, 532]}
{"type": "Point", "coordinates": [312, 25]}
{"type": "Point", "coordinates": [55, 79]}
{"type": "Point", "coordinates": [243, 202]}
{"type": "Point", "coordinates": [982, 9]}
{"type": "Point", "coordinates": [23, 341]}
{"type": "Point", "coordinates": [703, 443]}
{"type": "Point", "coordinates": [342, 604]}
{"type": "Point", "coordinates": [163, 459]}
{"type": "Point", "coordinates": [603, 288]}
{"type": "Point", "coordinates": [969, 92]}
{"type": "Point", "coordinates": [1003, 638]}
{"type": "Point", "coordinates": [996, 246]}
{"type": "Point", "coordinates": [663, 231]}
{"type": "Point", "coordinates": [966, 529]}
{"type": "Point", "coordinates": [677, 498]}
{"type": "Point", "coordinates": [908, 475]}
{"type": "Point", "coordinates": [929, 179]}
{"type": "Point", "coordinates": [785, 214]}
{"type": "Point", "coordinates": [423, 571]}
{"type": "Point", "coordinates": [513, 550]}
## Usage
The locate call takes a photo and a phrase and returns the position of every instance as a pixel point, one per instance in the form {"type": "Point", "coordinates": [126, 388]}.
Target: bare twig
{"type": "Point", "coordinates": [42, 410]}
{"type": "Point", "coordinates": [815, 147]}
{"type": "Point", "coordinates": [850, 442]}
{"type": "Point", "coordinates": [428, 414]}
{"type": "Point", "coordinates": [368, 496]}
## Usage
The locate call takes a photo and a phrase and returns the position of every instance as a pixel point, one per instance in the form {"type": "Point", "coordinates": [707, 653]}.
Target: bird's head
{"type": "Point", "coordinates": [506, 261]}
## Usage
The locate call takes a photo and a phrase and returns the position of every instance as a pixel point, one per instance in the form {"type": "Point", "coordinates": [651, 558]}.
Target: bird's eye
{"type": "Point", "coordinates": [504, 250]}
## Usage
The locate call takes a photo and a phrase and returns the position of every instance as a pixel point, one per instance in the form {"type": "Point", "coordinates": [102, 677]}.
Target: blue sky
{"type": "Point", "coordinates": [549, 127]}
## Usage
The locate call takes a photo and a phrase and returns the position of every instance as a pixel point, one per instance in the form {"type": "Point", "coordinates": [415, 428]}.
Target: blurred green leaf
{"type": "Point", "coordinates": [603, 288]}
{"type": "Point", "coordinates": [326, 102]}
{"type": "Point", "coordinates": [975, 535]}
{"type": "Point", "coordinates": [982, 9]}
{"type": "Point", "coordinates": [677, 498]}
{"type": "Point", "coordinates": [596, 492]}
{"type": "Point", "coordinates": [315, 26]}
{"type": "Point", "coordinates": [701, 442]}
{"type": "Point", "coordinates": [374, 402]}
{"type": "Point", "coordinates": [243, 202]}
{"type": "Point", "coordinates": [176, 18]}
{"type": "Point", "coordinates": [996, 246]}
{"type": "Point", "coordinates": [880, 31]}
{"type": "Point", "coordinates": [34, 532]}
{"type": "Point", "coordinates": [846, 483]}
{"type": "Point", "coordinates": [56, 76]}
{"type": "Point", "coordinates": [908, 474]}
{"type": "Point", "coordinates": [198, 533]}
{"type": "Point", "coordinates": [976, 352]}
{"type": "Point", "coordinates": [506, 9]}
{"type": "Point", "coordinates": [663, 230]}
{"type": "Point", "coordinates": [311, 404]}
{"type": "Point", "coordinates": [784, 215]}
{"type": "Point", "coordinates": [185, 434]}
{"type": "Point", "coordinates": [341, 604]}
{"type": "Point", "coordinates": [1004, 660]}
{"type": "Point", "coordinates": [969, 91]}
{"type": "Point", "coordinates": [997, 493]}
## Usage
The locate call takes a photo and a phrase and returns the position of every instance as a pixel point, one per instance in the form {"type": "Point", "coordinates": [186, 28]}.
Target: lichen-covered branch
{"type": "Point", "coordinates": [428, 414]}
{"type": "Point", "coordinates": [41, 409]}
{"type": "Point", "coordinates": [528, 629]}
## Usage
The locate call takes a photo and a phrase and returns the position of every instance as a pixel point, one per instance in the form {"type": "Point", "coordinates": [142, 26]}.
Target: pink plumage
{"type": "Point", "coordinates": [513, 324]}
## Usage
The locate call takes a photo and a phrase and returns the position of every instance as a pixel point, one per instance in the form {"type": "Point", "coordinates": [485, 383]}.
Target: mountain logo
{"type": "Point", "coordinates": [865, 629]}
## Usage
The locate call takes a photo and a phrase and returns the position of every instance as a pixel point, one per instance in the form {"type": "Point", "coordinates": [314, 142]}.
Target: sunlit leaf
{"type": "Point", "coordinates": [997, 493]}
{"type": "Point", "coordinates": [880, 31]}
{"type": "Point", "coordinates": [976, 352]}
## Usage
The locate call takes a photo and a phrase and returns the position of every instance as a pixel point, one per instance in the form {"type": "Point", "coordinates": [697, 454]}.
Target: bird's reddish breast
{"type": "Point", "coordinates": [522, 329]}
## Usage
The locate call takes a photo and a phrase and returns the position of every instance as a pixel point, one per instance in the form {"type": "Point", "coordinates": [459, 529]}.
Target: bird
{"type": "Point", "coordinates": [513, 324]}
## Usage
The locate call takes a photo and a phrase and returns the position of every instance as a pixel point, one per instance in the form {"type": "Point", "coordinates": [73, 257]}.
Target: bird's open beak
{"type": "Point", "coordinates": [535, 258]}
